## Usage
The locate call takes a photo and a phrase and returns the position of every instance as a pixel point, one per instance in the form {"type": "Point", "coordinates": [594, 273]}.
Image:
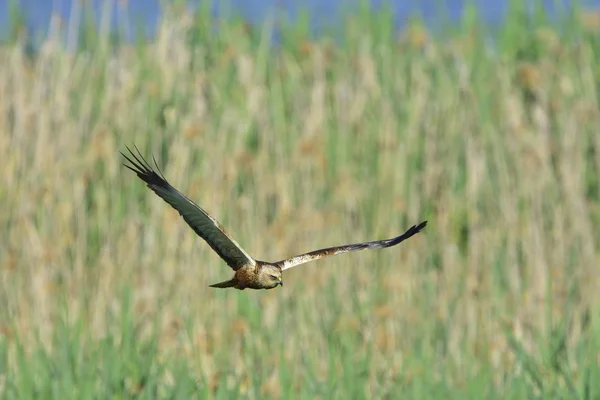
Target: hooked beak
{"type": "Point", "coordinates": [281, 283]}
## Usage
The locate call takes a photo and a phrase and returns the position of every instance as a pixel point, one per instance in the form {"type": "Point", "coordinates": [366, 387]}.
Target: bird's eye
{"type": "Point", "coordinates": [274, 277]}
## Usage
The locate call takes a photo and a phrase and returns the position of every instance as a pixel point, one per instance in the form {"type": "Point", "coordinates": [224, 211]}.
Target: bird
{"type": "Point", "coordinates": [249, 273]}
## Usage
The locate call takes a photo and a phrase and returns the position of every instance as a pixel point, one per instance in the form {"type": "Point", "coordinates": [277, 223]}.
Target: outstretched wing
{"type": "Point", "coordinates": [331, 251]}
{"type": "Point", "coordinates": [203, 224]}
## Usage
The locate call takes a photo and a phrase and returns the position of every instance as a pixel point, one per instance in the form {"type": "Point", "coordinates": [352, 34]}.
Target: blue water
{"type": "Point", "coordinates": [146, 13]}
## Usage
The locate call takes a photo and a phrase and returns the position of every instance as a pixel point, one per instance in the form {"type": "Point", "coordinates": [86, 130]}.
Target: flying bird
{"type": "Point", "coordinates": [249, 272]}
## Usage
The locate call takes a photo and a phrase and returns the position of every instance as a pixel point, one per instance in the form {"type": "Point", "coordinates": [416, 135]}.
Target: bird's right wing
{"type": "Point", "coordinates": [199, 220]}
{"type": "Point", "coordinates": [331, 251]}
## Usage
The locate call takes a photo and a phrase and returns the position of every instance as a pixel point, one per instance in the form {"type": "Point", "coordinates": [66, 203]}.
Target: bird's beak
{"type": "Point", "coordinates": [281, 283]}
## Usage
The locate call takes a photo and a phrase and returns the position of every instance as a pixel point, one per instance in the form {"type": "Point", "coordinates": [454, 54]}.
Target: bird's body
{"type": "Point", "coordinates": [249, 273]}
{"type": "Point", "coordinates": [263, 275]}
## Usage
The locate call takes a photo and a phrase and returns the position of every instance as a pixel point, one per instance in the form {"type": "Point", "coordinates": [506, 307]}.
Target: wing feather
{"type": "Point", "coordinates": [199, 220]}
{"type": "Point", "coordinates": [331, 251]}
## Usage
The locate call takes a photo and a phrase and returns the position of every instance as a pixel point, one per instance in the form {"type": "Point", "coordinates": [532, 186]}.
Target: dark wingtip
{"type": "Point", "coordinates": [416, 228]}
{"type": "Point", "coordinates": [139, 165]}
{"type": "Point", "coordinates": [413, 230]}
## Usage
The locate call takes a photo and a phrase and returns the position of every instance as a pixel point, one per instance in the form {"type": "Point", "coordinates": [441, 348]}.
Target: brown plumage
{"type": "Point", "coordinates": [249, 273]}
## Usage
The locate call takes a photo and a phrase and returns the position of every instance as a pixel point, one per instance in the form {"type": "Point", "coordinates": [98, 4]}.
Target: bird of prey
{"type": "Point", "coordinates": [249, 272]}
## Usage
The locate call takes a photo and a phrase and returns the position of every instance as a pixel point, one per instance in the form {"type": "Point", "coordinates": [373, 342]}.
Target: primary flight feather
{"type": "Point", "coordinates": [249, 273]}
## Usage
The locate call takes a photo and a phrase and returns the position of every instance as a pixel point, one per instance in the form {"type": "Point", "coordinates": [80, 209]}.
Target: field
{"type": "Point", "coordinates": [294, 145]}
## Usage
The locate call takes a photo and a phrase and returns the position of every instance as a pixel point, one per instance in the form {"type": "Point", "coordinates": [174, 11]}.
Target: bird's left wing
{"type": "Point", "coordinates": [199, 220]}
{"type": "Point", "coordinates": [331, 251]}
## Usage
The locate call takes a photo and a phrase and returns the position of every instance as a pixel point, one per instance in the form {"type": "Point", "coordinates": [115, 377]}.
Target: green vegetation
{"type": "Point", "coordinates": [310, 144]}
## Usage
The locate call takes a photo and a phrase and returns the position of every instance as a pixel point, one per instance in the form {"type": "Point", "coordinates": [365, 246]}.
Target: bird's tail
{"type": "Point", "coordinates": [225, 284]}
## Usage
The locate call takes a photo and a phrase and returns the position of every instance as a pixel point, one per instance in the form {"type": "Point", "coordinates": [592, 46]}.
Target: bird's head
{"type": "Point", "coordinates": [270, 276]}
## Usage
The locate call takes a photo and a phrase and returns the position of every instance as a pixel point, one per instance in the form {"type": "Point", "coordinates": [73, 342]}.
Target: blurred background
{"type": "Point", "coordinates": [133, 17]}
{"type": "Point", "coordinates": [301, 126]}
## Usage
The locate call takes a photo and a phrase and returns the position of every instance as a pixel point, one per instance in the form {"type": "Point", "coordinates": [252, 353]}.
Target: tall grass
{"type": "Point", "coordinates": [304, 145]}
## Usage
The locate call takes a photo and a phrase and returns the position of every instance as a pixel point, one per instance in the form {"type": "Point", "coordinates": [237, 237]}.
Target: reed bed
{"type": "Point", "coordinates": [298, 144]}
